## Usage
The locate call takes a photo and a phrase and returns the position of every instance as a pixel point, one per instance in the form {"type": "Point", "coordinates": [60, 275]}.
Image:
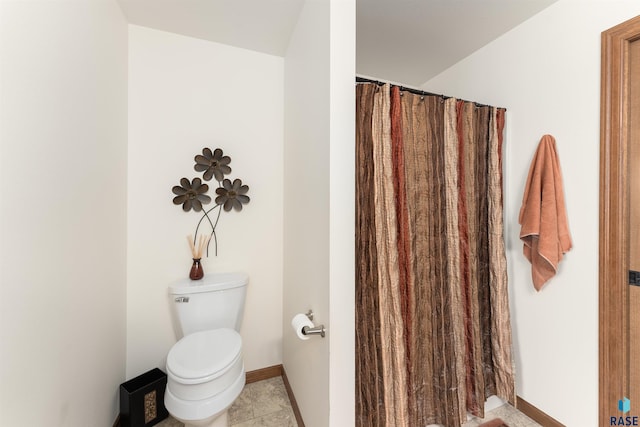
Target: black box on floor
{"type": "Point", "coordinates": [142, 400]}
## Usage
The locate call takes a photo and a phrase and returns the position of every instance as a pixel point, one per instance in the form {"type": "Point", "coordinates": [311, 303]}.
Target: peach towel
{"type": "Point", "coordinates": [543, 216]}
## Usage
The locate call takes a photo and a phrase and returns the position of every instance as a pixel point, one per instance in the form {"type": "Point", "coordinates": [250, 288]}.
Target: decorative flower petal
{"type": "Point", "coordinates": [178, 200]}
{"type": "Point", "coordinates": [203, 188]}
{"type": "Point", "coordinates": [243, 199]}
{"type": "Point", "coordinates": [197, 206]}
{"type": "Point", "coordinates": [208, 174]}
{"type": "Point", "coordinates": [237, 183]}
{"type": "Point", "coordinates": [217, 173]}
{"type": "Point", "coordinates": [186, 184]}
{"type": "Point", "coordinates": [217, 154]}
{"type": "Point", "coordinates": [243, 189]}
{"type": "Point", "coordinates": [227, 185]}
{"type": "Point", "coordinates": [237, 205]}
{"type": "Point", "coordinates": [224, 161]}
{"type": "Point", "coordinates": [228, 204]}
{"type": "Point", "coordinates": [203, 198]}
{"type": "Point", "coordinates": [207, 153]}
{"type": "Point", "coordinates": [177, 190]}
{"type": "Point", "coordinates": [197, 182]}
{"type": "Point", "coordinates": [187, 205]}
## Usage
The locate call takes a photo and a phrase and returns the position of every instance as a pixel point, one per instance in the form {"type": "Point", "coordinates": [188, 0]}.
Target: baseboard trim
{"type": "Point", "coordinates": [272, 372]}
{"type": "Point", "coordinates": [292, 398]}
{"type": "Point", "coordinates": [536, 414]}
{"type": "Point", "coordinates": [264, 374]}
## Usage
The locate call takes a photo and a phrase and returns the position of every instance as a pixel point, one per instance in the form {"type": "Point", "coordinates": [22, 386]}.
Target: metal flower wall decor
{"type": "Point", "coordinates": [192, 194]}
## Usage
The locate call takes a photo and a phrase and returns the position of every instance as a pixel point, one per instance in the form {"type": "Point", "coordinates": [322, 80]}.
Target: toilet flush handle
{"type": "Point", "coordinates": [182, 299]}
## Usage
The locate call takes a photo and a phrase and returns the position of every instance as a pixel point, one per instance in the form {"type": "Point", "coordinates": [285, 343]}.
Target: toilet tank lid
{"type": "Point", "coordinates": [209, 283]}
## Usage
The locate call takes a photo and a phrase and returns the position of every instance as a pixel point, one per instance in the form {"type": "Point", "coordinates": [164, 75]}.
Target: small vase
{"type": "Point", "coordinates": [196, 272]}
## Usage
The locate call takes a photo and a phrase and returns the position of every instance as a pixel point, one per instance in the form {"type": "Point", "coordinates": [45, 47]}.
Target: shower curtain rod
{"type": "Point", "coordinates": [417, 91]}
{"type": "Point", "coordinates": [402, 88]}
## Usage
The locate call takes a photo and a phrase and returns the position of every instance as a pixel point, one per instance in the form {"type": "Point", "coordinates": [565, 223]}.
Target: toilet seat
{"type": "Point", "coordinates": [204, 364]}
{"type": "Point", "coordinates": [203, 356]}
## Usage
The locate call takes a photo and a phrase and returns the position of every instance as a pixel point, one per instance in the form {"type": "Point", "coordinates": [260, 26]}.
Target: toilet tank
{"type": "Point", "coordinates": [215, 301]}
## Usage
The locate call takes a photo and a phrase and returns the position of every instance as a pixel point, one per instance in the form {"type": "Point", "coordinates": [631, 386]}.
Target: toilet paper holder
{"type": "Point", "coordinates": [316, 330]}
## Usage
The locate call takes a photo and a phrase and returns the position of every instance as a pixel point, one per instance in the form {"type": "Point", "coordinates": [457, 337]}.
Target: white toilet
{"type": "Point", "coordinates": [205, 371]}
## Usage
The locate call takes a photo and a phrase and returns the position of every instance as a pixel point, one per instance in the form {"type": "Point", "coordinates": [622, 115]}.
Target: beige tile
{"type": "Point", "coordinates": [269, 396]}
{"type": "Point", "coordinates": [283, 418]}
{"type": "Point", "coordinates": [242, 410]}
{"type": "Point", "coordinates": [515, 418]}
{"type": "Point", "coordinates": [509, 415]}
{"type": "Point", "coordinates": [170, 422]}
{"type": "Point", "coordinates": [263, 403]}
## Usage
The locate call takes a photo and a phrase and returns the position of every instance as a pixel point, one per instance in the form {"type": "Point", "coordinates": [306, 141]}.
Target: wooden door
{"type": "Point", "coordinates": [619, 317]}
{"type": "Point", "coordinates": [634, 223]}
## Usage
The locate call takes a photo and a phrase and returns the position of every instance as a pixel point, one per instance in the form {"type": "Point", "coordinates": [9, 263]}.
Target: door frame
{"type": "Point", "coordinates": [614, 218]}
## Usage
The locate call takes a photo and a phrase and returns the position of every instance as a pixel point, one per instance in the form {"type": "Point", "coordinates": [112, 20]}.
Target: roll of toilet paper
{"type": "Point", "coordinates": [298, 322]}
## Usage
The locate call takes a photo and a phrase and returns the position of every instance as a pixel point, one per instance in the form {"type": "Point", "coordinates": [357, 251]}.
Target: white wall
{"type": "Point", "coordinates": [319, 210]}
{"type": "Point", "coordinates": [186, 94]}
{"type": "Point", "coordinates": [306, 208]}
{"type": "Point", "coordinates": [546, 72]}
{"type": "Point", "coordinates": [342, 213]}
{"type": "Point", "coordinates": [63, 156]}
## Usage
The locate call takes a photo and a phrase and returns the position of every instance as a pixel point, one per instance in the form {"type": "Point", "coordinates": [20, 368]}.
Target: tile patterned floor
{"type": "Point", "coordinates": [508, 414]}
{"type": "Point", "coordinates": [261, 404]}
{"type": "Point", "coordinates": [266, 404]}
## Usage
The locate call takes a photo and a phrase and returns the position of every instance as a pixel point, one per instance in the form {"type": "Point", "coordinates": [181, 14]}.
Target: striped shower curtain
{"type": "Point", "coordinates": [433, 336]}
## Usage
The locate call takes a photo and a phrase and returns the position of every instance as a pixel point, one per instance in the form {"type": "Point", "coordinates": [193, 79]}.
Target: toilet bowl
{"type": "Point", "coordinates": [205, 374]}
{"type": "Point", "coordinates": [205, 371]}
